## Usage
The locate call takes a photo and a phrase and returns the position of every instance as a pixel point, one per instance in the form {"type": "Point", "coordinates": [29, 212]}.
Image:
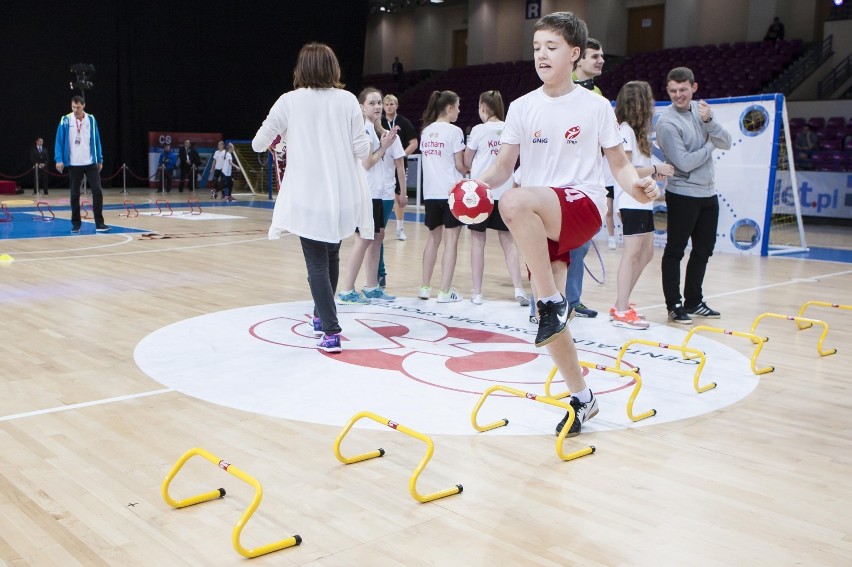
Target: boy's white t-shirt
{"type": "Point", "coordinates": [393, 153]}
{"type": "Point", "coordinates": [484, 139]}
{"type": "Point", "coordinates": [561, 138]}
{"type": "Point", "coordinates": [375, 175]}
{"type": "Point", "coordinates": [439, 142]}
{"type": "Point", "coordinates": [622, 199]}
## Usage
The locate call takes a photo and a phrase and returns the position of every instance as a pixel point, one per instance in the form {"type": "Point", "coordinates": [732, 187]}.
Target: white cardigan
{"type": "Point", "coordinates": [324, 195]}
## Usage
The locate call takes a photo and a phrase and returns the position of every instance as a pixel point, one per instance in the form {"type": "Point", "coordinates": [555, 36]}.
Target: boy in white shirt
{"type": "Point", "coordinates": [558, 132]}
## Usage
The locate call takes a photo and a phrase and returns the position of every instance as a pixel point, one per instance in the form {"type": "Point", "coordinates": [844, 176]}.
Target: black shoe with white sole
{"type": "Point", "coordinates": [703, 310]}
{"type": "Point", "coordinates": [552, 319]}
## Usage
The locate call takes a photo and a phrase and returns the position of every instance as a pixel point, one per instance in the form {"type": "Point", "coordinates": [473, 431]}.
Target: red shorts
{"type": "Point", "coordinates": [580, 222]}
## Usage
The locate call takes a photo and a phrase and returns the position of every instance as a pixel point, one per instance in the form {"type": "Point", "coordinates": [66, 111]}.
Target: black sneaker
{"type": "Point", "coordinates": [582, 311]}
{"type": "Point", "coordinates": [677, 314]}
{"type": "Point", "coordinates": [552, 318]}
{"type": "Point", "coordinates": [102, 228]}
{"type": "Point", "coordinates": [75, 230]}
{"type": "Point", "coordinates": [582, 414]}
{"type": "Point", "coordinates": [703, 310]}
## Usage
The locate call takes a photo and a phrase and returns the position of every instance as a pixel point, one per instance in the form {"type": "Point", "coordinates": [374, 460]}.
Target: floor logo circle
{"type": "Point", "coordinates": [425, 365]}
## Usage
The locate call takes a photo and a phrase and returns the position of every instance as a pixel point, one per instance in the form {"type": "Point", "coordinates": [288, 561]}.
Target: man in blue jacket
{"type": "Point", "coordinates": [78, 147]}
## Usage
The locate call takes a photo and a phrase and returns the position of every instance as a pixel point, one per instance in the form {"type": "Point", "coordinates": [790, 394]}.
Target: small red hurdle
{"type": "Point", "coordinates": [85, 209]}
{"type": "Point", "coordinates": [7, 216]}
{"type": "Point", "coordinates": [42, 216]}
{"type": "Point", "coordinates": [164, 203]}
{"type": "Point", "coordinates": [194, 206]}
{"type": "Point", "coordinates": [129, 209]}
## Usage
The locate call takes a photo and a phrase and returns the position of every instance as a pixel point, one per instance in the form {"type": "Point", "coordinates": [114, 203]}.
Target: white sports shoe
{"type": "Point", "coordinates": [425, 292]}
{"type": "Point", "coordinates": [521, 297]}
{"type": "Point", "coordinates": [449, 297]}
{"type": "Point", "coordinates": [610, 243]}
{"type": "Point", "coordinates": [400, 234]}
{"type": "Point", "coordinates": [476, 299]}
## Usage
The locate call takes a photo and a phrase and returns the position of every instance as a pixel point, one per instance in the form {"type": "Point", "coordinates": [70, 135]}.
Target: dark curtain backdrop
{"type": "Point", "coordinates": [183, 66]}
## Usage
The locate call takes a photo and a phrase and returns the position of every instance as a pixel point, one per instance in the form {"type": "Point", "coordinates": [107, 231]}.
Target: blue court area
{"type": "Point", "coordinates": [27, 223]}
{"type": "Point", "coordinates": [824, 254]}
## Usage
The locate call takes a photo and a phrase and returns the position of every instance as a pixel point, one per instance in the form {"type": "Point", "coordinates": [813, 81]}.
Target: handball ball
{"type": "Point", "coordinates": [471, 201]}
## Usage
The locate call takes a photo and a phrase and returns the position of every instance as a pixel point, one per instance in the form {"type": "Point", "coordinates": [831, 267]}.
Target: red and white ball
{"type": "Point", "coordinates": [471, 201]}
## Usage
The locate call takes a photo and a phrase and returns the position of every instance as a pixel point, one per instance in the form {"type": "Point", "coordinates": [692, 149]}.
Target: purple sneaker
{"type": "Point", "coordinates": [330, 343]}
{"type": "Point", "coordinates": [317, 327]}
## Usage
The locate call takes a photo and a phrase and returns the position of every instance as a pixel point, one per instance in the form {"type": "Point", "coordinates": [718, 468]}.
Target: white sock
{"type": "Point", "coordinates": [553, 298]}
{"type": "Point", "coordinates": [583, 396]}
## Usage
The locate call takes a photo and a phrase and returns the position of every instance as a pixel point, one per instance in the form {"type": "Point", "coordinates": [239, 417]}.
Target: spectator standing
{"type": "Point", "coordinates": [167, 163]}
{"type": "Point", "coordinates": [408, 137]}
{"type": "Point", "coordinates": [187, 159]}
{"type": "Point", "coordinates": [775, 31]}
{"type": "Point", "coordinates": [39, 158]}
{"type": "Point", "coordinates": [687, 135]}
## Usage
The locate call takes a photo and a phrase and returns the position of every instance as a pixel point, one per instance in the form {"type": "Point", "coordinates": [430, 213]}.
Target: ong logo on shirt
{"type": "Point", "coordinates": [537, 139]}
{"type": "Point", "coordinates": [571, 135]}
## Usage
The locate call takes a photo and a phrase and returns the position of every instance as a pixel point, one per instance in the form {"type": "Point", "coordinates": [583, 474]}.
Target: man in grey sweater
{"type": "Point", "coordinates": [687, 134]}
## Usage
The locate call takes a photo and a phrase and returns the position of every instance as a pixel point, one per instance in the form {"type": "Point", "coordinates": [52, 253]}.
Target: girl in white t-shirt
{"type": "Point", "coordinates": [483, 143]}
{"type": "Point", "coordinates": [634, 108]}
{"type": "Point", "coordinates": [218, 163]}
{"type": "Point", "coordinates": [442, 147]}
{"type": "Point", "coordinates": [366, 249]}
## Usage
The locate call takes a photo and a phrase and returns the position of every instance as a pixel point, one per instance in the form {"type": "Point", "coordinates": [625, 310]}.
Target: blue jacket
{"type": "Point", "coordinates": [62, 150]}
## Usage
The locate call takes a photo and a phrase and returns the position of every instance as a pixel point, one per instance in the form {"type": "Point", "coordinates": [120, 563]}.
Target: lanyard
{"type": "Point", "coordinates": [79, 125]}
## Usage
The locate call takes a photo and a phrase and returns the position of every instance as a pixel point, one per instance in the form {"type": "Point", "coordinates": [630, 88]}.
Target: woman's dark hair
{"type": "Point", "coordinates": [438, 103]}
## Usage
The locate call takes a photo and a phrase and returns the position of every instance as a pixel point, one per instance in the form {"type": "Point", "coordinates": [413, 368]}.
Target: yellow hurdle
{"type": "Point", "coordinates": [214, 494]}
{"type": "Point", "coordinates": [560, 439]}
{"type": "Point", "coordinates": [412, 483]}
{"type": "Point", "coordinates": [632, 373]}
{"type": "Point", "coordinates": [688, 353]}
{"type": "Point", "coordinates": [821, 304]}
{"type": "Point", "coordinates": [756, 340]}
{"type": "Point", "coordinates": [800, 321]}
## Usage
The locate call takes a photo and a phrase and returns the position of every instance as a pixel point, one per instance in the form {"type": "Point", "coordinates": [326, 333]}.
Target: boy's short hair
{"type": "Point", "coordinates": [390, 98]}
{"type": "Point", "coordinates": [572, 28]}
{"type": "Point", "coordinates": [681, 75]}
{"type": "Point", "coordinates": [592, 43]}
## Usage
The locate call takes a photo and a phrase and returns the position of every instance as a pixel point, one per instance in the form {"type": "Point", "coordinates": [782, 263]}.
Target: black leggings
{"type": "Point", "coordinates": [323, 262]}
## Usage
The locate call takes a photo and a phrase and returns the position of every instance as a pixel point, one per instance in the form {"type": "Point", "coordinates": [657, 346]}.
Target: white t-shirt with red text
{"type": "Point", "coordinates": [484, 139]}
{"type": "Point", "coordinates": [561, 138]}
{"type": "Point", "coordinates": [439, 143]}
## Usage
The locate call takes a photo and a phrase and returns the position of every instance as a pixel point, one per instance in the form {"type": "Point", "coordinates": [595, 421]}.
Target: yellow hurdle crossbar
{"type": "Point", "coordinates": [218, 493]}
{"type": "Point", "coordinates": [821, 304]}
{"type": "Point", "coordinates": [756, 340]}
{"type": "Point", "coordinates": [799, 322]}
{"type": "Point", "coordinates": [688, 353]}
{"type": "Point", "coordinates": [632, 373]}
{"type": "Point", "coordinates": [412, 483]}
{"type": "Point", "coordinates": [560, 439]}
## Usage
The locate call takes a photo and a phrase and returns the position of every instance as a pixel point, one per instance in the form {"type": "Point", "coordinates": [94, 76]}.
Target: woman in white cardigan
{"type": "Point", "coordinates": [324, 196]}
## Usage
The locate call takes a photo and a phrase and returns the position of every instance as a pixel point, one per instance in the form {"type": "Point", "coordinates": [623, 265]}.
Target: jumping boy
{"type": "Point", "coordinates": [558, 131]}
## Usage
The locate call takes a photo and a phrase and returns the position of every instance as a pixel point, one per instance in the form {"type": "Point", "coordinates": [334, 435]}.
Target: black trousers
{"type": "Point", "coordinates": [93, 179]}
{"type": "Point", "coordinates": [693, 218]}
{"type": "Point", "coordinates": [185, 174]}
{"type": "Point", "coordinates": [167, 179]}
{"type": "Point", "coordinates": [323, 262]}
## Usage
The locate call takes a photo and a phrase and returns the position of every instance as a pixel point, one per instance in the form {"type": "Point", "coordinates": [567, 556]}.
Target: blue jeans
{"type": "Point", "coordinates": [574, 281]}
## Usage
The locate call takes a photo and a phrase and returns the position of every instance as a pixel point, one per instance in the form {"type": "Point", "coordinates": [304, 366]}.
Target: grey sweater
{"type": "Point", "coordinates": [688, 143]}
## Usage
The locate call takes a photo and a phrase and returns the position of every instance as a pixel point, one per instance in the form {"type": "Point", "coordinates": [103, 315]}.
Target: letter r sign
{"type": "Point", "coordinates": [533, 9]}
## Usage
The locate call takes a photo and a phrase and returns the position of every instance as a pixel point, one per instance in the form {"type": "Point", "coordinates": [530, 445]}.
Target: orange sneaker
{"type": "Point", "coordinates": [630, 305]}
{"type": "Point", "coordinates": [629, 320]}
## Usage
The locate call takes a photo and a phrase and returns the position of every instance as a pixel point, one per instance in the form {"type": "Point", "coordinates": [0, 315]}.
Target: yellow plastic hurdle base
{"type": "Point", "coordinates": [412, 483]}
{"type": "Point", "coordinates": [633, 373]}
{"type": "Point", "coordinates": [688, 353]}
{"type": "Point", "coordinates": [807, 304]}
{"type": "Point", "coordinates": [801, 323]}
{"type": "Point", "coordinates": [560, 439]}
{"type": "Point", "coordinates": [756, 340]}
{"type": "Point", "coordinates": [220, 492]}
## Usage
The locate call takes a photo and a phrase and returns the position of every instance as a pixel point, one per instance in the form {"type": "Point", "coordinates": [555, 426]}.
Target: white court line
{"type": "Point", "coordinates": [85, 404]}
{"type": "Point", "coordinates": [156, 251]}
{"type": "Point", "coordinates": [127, 238]}
{"type": "Point", "coordinates": [760, 287]}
